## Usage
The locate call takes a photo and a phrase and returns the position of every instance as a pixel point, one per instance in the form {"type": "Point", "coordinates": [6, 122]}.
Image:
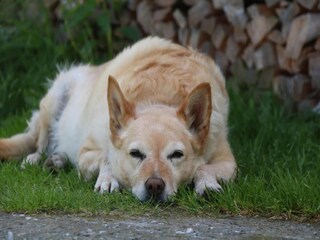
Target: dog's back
{"type": "Point", "coordinates": [155, 70]}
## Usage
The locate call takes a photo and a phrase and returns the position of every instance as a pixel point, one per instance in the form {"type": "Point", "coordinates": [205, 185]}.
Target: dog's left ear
{"type": "Point", "coordinates": [196, 111]}
{"type": "Point", "coordinates": [120, 110]}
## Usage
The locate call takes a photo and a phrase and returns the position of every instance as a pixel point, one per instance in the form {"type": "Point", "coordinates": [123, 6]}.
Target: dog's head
{"type": "Point", "coordinates": [157, 148]}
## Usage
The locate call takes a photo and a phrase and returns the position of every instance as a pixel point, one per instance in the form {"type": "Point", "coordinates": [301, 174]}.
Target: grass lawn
{"type": "Point", "coordinates": [278, 153]}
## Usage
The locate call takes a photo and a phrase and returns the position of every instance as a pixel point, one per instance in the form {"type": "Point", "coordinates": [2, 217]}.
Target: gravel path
{"type": "Point", "coordinates": [20, 226]}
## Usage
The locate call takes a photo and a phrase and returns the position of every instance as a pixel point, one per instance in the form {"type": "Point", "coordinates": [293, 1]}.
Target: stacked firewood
{"type": "Point", "coordinates": [266, 44]}
{"type": "Point", "coordinates": [270, 44]}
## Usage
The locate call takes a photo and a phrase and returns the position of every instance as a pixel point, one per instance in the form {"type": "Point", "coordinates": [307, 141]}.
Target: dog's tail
{"type": "Point", "coordinates": [21, 144]}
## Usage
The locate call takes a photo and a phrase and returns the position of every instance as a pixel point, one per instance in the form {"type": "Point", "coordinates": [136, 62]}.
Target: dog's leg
{"type": "Point", "coordinates": [56, 161]}
{"type": "Point", "coordinates": [45, 115]}
{"type": "Point", "coordinates": [105, 181]}
{"type": "Point", "coordinates": [221, 167]}
{"type": "Point", "coordinates": [93, 161]}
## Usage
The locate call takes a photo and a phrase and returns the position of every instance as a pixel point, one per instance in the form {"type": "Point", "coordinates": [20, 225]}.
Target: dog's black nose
{"type": "Point", "coordinates": [155, 187]}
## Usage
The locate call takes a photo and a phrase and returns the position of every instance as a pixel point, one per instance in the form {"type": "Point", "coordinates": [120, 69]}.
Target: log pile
{"type": "Point", "coordinates": [265, 44]}
{"type": "Point", "coordinates": [270, 44]}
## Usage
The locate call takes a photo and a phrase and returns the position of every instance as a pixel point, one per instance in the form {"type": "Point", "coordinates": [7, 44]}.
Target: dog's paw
{"type": "Point", "coordinates": [55, 161]}
{"type": "Point", "coordinates": [106, 185]}
{"type": "Point", "coordinates": [205, 181]}
{"type": "Point", "coordinates": [32, 159]}
{"type": "Point", "coordinates": [207, 184]}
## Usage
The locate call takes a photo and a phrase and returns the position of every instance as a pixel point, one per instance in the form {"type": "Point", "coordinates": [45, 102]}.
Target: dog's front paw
{"type": "Point", "coordinates": [32, 159]}
{"type": "Point", "coordinates": [205, 181]}
{"type": "Point", "coordinates": [106, 184]}
{"type": "Point", "coordinates": [210, 183]}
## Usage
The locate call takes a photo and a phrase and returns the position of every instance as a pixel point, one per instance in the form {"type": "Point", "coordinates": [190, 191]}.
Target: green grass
{"type": "Point", "coordinates": [278, 153]}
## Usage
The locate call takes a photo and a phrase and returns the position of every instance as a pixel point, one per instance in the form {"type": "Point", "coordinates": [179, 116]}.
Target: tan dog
{"type": "Point", "coordinates": [150, 120]}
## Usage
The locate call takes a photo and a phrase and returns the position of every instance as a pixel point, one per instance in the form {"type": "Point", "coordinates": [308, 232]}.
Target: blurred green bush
{"type": "Point", "coordinates": [34, 39]}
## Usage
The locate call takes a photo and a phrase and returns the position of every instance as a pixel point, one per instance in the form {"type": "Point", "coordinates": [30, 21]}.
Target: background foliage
{"type": "Point", "coordinates": [33, 42]}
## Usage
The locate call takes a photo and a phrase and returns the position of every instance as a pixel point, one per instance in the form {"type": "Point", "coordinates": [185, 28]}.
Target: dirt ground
{"type": "Point", "coordinates": [21, 226]}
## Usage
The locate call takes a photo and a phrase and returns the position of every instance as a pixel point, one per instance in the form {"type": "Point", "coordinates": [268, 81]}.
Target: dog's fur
{"type": "Point", "coordinates": [153, 118]}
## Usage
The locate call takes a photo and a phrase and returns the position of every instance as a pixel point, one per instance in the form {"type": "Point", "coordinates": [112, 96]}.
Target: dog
{"type": "Point", "coordinates": [150, 120]}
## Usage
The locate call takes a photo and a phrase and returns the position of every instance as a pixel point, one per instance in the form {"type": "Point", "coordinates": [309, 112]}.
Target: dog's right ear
{"type": "Point", "coordinates": [196, 111]}
{"type": "Point", "coordinates": [120, 110]}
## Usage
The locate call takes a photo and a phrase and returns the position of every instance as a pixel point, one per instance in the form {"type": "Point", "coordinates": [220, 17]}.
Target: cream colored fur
{"type": "Point", "coordinates": [161, 99]}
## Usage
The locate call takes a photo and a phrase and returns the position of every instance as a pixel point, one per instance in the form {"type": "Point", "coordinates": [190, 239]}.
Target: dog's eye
{"type": "Point", "coordinates": [135, 153]}
{"type": "Point", "coordinates": [176, 154]}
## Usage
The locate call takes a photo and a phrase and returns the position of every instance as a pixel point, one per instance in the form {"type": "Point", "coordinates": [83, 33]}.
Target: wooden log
{"type": "Point", "coordinates": [165, 29]}
{"type": "Point", "coordinates": [190, 2]}
{"type": "Point", "coordinates": [264, 56]}
{"type": "Point", "coordinates": [183, 36]}
{"type": "Point", "coordinates": [308, 4]}
{"type": "Point", "coordinates": [259, 27]}
{"type": "Point", "coordinates": [222, 61]}
{"type": "Point", "coordinates": [256, 10]}
{"type": "Point", "coordinates": [165, 3]}
{"type": "Point", "coordinates": [232, 49]}
{"type": "Point", "coordinates": [236, 3]}
{"type": "Point", "coordinates": [272, 3]}
{"type": "Point", "coordinates": [291, 65]}
{"type": "Point", "coordinates": [279, 85]}
{"type": "Point", "coordinates": [276, 37]}
{"type": "Point", "coordinates": [236, 15]}
{"type": "Point", "coordinates": [314, 69]}
{"type": "Point", "coordinates": [286, 29]}
{"type": "Point", "coordinates": [194, 38]}
{"type": "Point", "coordinates": [288, 13]}
{"type": "Point", "coordinates": [218, 4]}
{"type": "Point", "coordinates": [286, 16]}
{"type": "Point", "coordinates": [283, 61]}
{"type": "Point", "coordinates": [283, 88]}
{"type": "Point", "coordinates": [161, 14]}
{"type": "Point", "coordinates": [317, 44]}
{"type": "Point", "coordinates": [198, 12]}
{"type": "Point", "coordinates": [219, 35]}
{"type": "Point", "coordinates": [144, 17]}
{"type": "Point", "coordinates": [247, 56]}
{"type": "Point", "coordinates": [265, 77]}
{"type": "Point", "coordinates": [179, 18]}
{"type": "Point", "coordinates": [244, 75]}
{"type": "Point", "coordinates": [303, 29]}
{"type": "Point", "coordinates": [240, 36]}
{"type": "Point", "coordinates": [284, 3]}
{"type": "Point", "coordinates": [301, 88]}
{"type": "Point", "coordinates": [295, 88]}
{"type": "Point", "coordinates": [208, 25]}
{"type": "Point", "coordinates": [207, 48]}
{"type": "Point", "coordinates": [302, 62]}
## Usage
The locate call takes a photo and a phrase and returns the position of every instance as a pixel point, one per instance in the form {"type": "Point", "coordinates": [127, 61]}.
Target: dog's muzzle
{"type": "Point", "coordinates": [155, 188]}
